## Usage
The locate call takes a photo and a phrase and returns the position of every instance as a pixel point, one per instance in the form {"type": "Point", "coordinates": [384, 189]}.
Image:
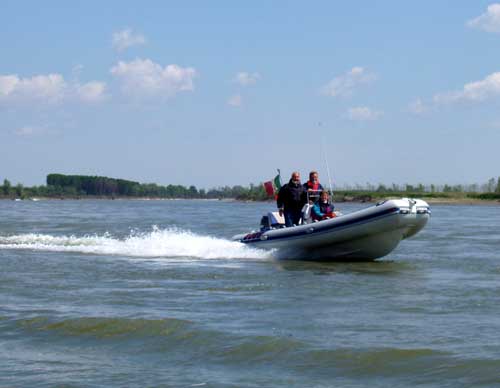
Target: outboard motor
{"type": "Point", "coordinates": [264, 223]}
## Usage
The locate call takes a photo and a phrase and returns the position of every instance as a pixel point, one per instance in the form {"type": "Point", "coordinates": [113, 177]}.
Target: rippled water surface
{"type": "Point", "coordinates": [153, 293]}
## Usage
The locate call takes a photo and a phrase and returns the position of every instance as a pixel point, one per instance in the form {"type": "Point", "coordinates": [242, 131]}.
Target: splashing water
{"type": "Point", "coordinates": [171, 242]}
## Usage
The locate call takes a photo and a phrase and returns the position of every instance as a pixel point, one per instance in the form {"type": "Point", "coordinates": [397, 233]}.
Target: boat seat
{"type": "Point", "coordinates": [275, 219]}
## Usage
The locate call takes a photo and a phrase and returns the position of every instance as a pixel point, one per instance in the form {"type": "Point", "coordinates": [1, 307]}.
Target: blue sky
{"type": "Point", "coordinates": [216, 93]}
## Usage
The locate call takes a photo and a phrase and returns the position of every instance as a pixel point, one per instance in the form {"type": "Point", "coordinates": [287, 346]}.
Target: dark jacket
{"type": "Point", "coordinates": [292, 197]}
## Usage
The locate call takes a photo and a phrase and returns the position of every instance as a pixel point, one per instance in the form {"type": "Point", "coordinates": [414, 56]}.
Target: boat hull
{"type": "Point", "coordinates": [367, 234]}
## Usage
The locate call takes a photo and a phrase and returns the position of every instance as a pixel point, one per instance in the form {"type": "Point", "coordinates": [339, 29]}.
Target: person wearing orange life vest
{"type": "Point", "coordinates": [313, 187]}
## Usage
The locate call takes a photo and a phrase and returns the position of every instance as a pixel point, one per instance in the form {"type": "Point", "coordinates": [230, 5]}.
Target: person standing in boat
{"type": "Point", "coordinates": [291, 198]}
{"type": "Point", "coordinates": [313, 187]}
{"type": "Point", "coordinates": [323, 209]}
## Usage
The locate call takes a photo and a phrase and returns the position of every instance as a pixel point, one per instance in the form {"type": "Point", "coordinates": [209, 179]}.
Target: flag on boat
{"type": "Point", "coordinates": [269, 188]}
{"type": "Point", "coordinates": [272, 187]}
{"type": "Point", "coordinates": [277, 181]}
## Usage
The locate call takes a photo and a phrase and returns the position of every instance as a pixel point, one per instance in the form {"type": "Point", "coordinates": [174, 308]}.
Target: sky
{"type": "Point", "coordinates": [226, 92]}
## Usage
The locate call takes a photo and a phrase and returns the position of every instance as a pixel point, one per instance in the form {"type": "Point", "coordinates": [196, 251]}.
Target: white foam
{"type": "Point", "coordinates": [170, 242]}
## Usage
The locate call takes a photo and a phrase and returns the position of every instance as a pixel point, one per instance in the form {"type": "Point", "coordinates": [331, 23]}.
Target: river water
{"type": "Point", "coordinates": [152, 293]}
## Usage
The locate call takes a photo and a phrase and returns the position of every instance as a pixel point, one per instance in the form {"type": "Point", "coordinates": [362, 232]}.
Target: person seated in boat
{"type": "Point", "coordinates": [291, 198]}
{"type": "Point", "coordinates": [313, 187]}
{"type": "Point", "coordinates": [323, 209]}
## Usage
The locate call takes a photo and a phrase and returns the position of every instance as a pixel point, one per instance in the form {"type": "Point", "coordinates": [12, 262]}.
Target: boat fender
{"type": "Point", "coordinates": [306, 212]}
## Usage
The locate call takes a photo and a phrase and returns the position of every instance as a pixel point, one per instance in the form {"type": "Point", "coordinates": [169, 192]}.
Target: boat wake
{"type": "Point", "coordinates": [171, 242]}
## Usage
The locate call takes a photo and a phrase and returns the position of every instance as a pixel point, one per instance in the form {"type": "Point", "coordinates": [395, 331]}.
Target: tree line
{"type": "Point", "coordinates": [77, 186]}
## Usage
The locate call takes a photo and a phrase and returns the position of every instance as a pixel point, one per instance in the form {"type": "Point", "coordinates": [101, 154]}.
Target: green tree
{"type": "Point", "coordinates": [491, 185]}
{"type": "Point", "coordinates": [6, 186]}
{"type": "Point", "coordinates": [192, 192]}
{"type": "Point", "coordinates": [19, 190]}
{"type": "Point", "coordinates": [497, 189]}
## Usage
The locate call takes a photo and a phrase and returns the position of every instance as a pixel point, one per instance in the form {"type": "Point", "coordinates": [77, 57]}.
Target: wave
{"type": "Point", "coordinates": [189, 342]}
{"type": "Point", "coordinates": [171, 242]}
{"type": "Point", "coordinates": [101, 327]}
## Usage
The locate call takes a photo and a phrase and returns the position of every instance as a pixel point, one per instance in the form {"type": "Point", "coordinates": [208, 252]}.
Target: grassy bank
{"type": "Point", "coordinates": [370, 196]}
{"type": "Point", "coordinates": [339, 197]}
{"type": "Point", "coordinates": [61, 186]}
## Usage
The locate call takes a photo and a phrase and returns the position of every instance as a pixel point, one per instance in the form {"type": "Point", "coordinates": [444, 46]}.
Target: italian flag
{"type": "Point", "coordinates": [272, 187]}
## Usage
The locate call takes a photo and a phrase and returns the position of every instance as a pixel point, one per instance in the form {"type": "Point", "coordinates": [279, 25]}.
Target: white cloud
{"type": "Point", "coordinates": [33, 130]}
{"type": "Point", "coordinates": [8, 84]}
{"type": "Point", "coordinates": [27, 131]}
{"type": "Point", "coordinates": [473, 91]}
{"type": "Point", "coordinates": [143, 77]}
{"type": "Point", "coordinates": [93, 91]}
{"type": "Point", "coordinates": [49, 87]}
{"type": "Point", "coordinates": [417, 107]}
{"type": "Point", "coordinates": [344, 85]}
{"type": "Point", "coordinates": [363, 113]}
{"type": "Point", "coordinates": [488, 21]}
{"type": "Point", "coordinates": [235, 100]}
{"type": "Point", "coordinates": [245, 79]}
{"type": "Point", "coordinates": [127, 38]}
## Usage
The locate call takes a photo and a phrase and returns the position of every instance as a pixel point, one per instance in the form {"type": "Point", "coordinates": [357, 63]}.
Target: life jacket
{"type": "Point", "coordinates": [313, 186]}
{"type": "Point", "coordinates": [316, 189]}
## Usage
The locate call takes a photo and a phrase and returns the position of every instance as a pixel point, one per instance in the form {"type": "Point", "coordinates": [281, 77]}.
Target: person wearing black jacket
{"type": "Point", "coordinates": [291, 198]}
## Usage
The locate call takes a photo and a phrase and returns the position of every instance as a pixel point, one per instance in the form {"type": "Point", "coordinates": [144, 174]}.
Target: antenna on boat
{"type": "Point", "coordinates": [326, 161]}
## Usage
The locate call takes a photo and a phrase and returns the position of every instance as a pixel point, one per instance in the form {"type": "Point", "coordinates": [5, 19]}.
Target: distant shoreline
{"type": "Point", "coordinates": [80, 187]}
{"type": "Point", "coordinates": [464, 201]}
{"type": "Point", "coordinates": [431, 201]}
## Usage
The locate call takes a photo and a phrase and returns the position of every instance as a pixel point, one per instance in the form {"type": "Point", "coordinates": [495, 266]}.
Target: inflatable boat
{"type": "Point", "coordinates": [367, 234]}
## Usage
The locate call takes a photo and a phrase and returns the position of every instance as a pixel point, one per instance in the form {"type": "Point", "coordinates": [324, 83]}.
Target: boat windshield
{"type": "Point", "coordinates": [313, 195]}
